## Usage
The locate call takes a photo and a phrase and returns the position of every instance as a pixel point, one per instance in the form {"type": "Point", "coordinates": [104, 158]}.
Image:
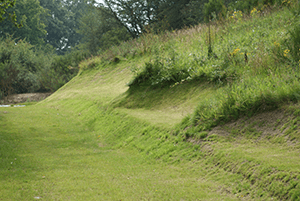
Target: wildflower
{"type": "Point", "coordinates": [285, 53]}
{"type": "Point", "coordinates": [235, 51]}
{"type": "Point", "coordinates": [276, 44]}
{"type": "Point", "coordinates": [285, 2]}
{"type": "Point", "coordinates": [237, 14]}
{"type": "Point", "coordinates": [253, 11]}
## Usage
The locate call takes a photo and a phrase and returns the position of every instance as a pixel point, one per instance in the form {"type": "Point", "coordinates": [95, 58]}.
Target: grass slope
{"type": "Point", "coordinates": [68, 148]}
{"type": "Point", "coordinates": [98, 139]}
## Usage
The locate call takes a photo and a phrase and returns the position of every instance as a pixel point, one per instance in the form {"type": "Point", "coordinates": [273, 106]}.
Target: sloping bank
{"type": "Point", "coordinates": [260, 166]}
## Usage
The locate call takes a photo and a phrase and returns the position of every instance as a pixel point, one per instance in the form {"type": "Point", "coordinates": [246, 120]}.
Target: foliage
{"type": "Point", "coordinates": [240, 60]}
{"type": "Point", "coordinates": [63, 21]}
{"type": "Point", "coordinates": [4, 5]}
{"type": "Point", "coordinates": [174, 68]}
{"type": "Point", "coordinates": [287, 50]}
{"type": "Point", "coordinates": [24, 68]}
{"type": "Point", "coordinates": [19, 67]}
{"type": "Point", "coordinates": [160, 72]}
{"type": "Point", "coordinates": [193, 12]}
{"type": "Point", "coordinates": [31, 15]}
{"type": "Point", "coordinates": [214, 7]}
{"type": "Point", "coordinates": [247, 6]}
{"type": "Point", "coordinates": [133, 15]}
{"type": "Point", "coordinates": [169, 16]}
{"type": "Point", "coordinates": [62, 69]}
{"type": "Point", "coordinates": [100, 30]}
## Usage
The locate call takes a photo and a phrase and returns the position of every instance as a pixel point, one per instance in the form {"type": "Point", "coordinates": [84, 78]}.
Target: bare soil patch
{"type": "Point", "coordinates": [22, 98]}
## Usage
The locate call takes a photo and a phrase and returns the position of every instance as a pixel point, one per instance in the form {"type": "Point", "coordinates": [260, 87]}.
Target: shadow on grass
{"type": "Point", "coordinates": [150, 97]}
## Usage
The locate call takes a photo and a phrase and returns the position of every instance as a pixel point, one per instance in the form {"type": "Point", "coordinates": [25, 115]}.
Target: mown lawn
{"type": "Point", "coordinates": [47, 154]}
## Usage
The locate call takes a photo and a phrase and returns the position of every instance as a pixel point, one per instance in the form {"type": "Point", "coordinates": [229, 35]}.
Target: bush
{"type": "Point", "coordinates": [176, 69]}
{"type": "Point", "coordinates": [19, 67]}
{"type": "Point", "coordinates": [247, 6]}
{"type": "Point", "coordinates": [161, 71]}
{"type": "Point", "coordinates": [62, 69]}
{"type": "Point", "coordinates": [214, 7]}
{"type": "Point", "coordinates": [26, 69]}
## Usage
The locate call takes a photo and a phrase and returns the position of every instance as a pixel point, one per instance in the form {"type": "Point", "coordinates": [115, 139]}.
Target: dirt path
{"type": "Point", "coordinates": [21, 98]}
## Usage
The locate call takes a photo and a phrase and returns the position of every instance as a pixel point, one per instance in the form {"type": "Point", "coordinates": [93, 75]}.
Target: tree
{"type": "Point", "coordinates": [31, 14]}
{"type": "Point", "coordinates": [4, 5]}
{"type": "Point", "coordinates": [55, 21]}
{"type": "Point", "coordinates": [193, 12]}
{"type": "Point", "coordinates": [214, 7]}
{"type": "Point", "coordinates": [19, 66]}
{"type": "Point", "coordinates": [63, 21]}
{"type": "Point", "coordinates": [137, 15]}
{"type": "Point", "coordinates": [133, 15]}
{"type": "Point", "coordinates": [169, 13]}
{"type": "Point", "coordinates": [100, 29]}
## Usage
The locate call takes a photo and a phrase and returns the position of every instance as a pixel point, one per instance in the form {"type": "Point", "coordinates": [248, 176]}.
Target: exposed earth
{"type": "Point", "coordinates": [22, 98]}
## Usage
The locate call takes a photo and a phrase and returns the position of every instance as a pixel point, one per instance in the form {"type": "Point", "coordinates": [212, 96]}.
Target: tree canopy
{"type": "Point", "coordinates": [32, 15]}
{"type": "Point", "coordinates": [63, 21]}
{"type": "Point", "coordinates": [4, 5]}
{"type": "Point", "coordinates": [100, 29]}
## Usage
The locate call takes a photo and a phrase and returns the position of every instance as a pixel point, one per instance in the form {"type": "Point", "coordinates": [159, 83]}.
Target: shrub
{"type": "Point", "coordinates": [62, 69]}
{"type": "Point", "coordinates": [214, 7]}
{"type": "Point", "coordinates": [25, 69]}
{"type": "Point", "coordinates": [18, 67]}
{"type": "Point", "coordinates": [175, 69]}
{"type": "Point", "coordinates": [247, 6]}
{"type": "Point", "coordinates": [161, 71]}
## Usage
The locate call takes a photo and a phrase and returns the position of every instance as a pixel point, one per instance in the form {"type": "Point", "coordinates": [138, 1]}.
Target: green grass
{"type": "Point", "coordinates": [49, 153]}
{"type": "Point", "coordinates": [201, 138]}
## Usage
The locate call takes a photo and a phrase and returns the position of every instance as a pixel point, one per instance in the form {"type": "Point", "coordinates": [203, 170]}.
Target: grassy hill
{"type": "Point", "coordinates": [164, 118]}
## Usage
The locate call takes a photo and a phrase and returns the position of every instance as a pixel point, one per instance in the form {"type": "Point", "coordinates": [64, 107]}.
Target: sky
{"type": "Point", "coordinates": [99, 1]}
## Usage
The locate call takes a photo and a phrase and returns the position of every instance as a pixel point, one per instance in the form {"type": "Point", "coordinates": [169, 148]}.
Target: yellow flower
{"type": "Point", "coordinates": [276, 44]}
{"type": "Point", "coordinates": [253, 11]}
{"type": "Point", "coordinates": [235, 51]}
{"type": "Point", "coordinates": [285, 52]}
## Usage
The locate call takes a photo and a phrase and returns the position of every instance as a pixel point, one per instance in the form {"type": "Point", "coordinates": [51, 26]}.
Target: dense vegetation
{"type": "Point", "coordinates": [249, 61]}
{"type": "Point", "coordinates": [254, 66]}
{"type": "Point", "coordinates": [60, 34]}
